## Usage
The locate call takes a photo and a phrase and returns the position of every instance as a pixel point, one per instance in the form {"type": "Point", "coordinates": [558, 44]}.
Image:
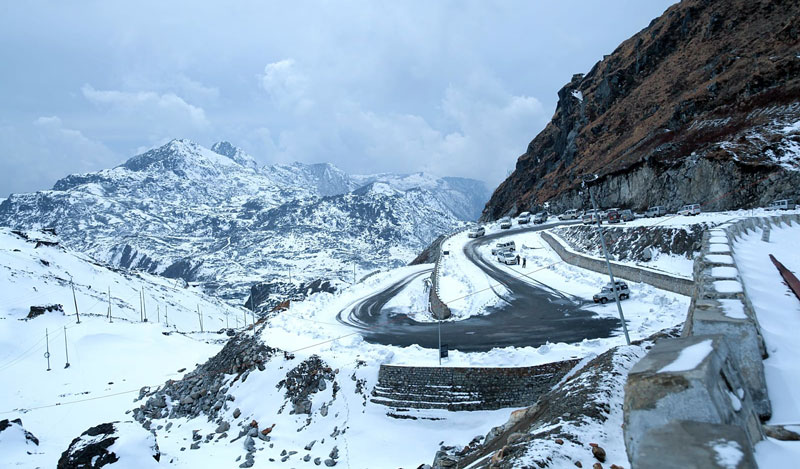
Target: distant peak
{"type": "Point", "coordinates": [235, 153]}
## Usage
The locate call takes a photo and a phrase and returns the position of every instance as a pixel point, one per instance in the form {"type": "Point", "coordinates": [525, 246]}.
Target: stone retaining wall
{"type": "Point", "coordinates": [439, 308]}
{"type": "Point", "coordinates": [460, 388]}
{"type": "Point", "coordinates": [679, 285]}
{"type": "Point", "coordinates": [725, 381]}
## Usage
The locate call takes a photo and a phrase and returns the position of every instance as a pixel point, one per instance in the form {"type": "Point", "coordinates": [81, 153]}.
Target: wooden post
{"type": "Point", "coordinates": [66, 350]}
{"type": "Point", "coordinates": [144, 306]}
{"type": "Point", "coordinates": [109, 305]}
{"type": "Point", "coordinates": [200, 318]}
{"type": "Point", "coordinates": [166, 314]}
{"type": "Point", "coordinates": [47, 353]}
{"type": "Point", "coordinates": [75, 299]}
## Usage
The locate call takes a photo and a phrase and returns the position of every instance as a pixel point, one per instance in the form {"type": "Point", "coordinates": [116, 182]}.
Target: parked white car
{"type": "Point", "coordinates": [476, 232]}
{"type": "Point", "coordinates": [784, 204]}
{"type": "Point", "coordinates": [507, 257]}
{"type": "Point", "coordinates": [590, 218]}
{"type": "Point", "coordinates": [571, 214]}
{"type": "Point", "coordinates": [690, 209]}
{"type": "Point", "coordinates": [505, 223]}
{"type": "Point", "coordinates": [524, 218]}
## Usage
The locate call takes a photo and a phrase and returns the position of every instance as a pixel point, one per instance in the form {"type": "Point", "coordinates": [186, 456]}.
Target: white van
{"type": "Point", "coordinates": [690, 209]}
{"type": "Point", "coordinates": [783, 204]}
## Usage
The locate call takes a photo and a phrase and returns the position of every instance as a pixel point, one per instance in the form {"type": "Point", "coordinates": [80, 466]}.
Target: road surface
{"type": "Point", "coordinates": [531, 315]}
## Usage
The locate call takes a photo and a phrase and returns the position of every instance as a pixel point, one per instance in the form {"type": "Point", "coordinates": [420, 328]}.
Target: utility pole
{"type": "Point", "coordinates": [200, 318]}
{"type": "Point", "coordinates": [47, 353]}
{"type": "Point", "coordinates": [75, 299]}
{"type": "Point", "coordinates": [109, 305]}
{"type": "Point", "coordinates": [144, 307]}
{"type": "Point", "coordinates": [66, 350]}
{"type": "Point", "coordinates": [226, 319]}
{"type": "Point", "coordinates": [290, 274]}
{"type": "Point", "coordinates": [166, 314]}
{"type": "Point", "coordinates": [158, 312]}
{"type": "Point", "coordinates": [587, 180]}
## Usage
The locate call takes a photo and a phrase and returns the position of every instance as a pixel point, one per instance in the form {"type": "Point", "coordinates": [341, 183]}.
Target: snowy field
{"type": "Point", "coordinates": [109, 361]}
{"type": "Point", "coordinates": [778, 312]}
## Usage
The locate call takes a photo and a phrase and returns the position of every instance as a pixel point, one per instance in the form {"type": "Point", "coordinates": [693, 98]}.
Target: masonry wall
{"type": "Point", "coordinates": [461, 388]}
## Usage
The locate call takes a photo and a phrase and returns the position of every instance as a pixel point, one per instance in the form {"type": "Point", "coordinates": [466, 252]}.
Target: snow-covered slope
{"type": "Point", "coordinates": [109, 361]}
{"type": "Point", "coordinates": [210, 215]}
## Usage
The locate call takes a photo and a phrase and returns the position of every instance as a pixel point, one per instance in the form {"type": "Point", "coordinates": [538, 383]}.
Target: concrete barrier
{"type": "Point", "coordinates": [695, 444]}
{"type": "Point", "coordinates": [691, 378]}
{"type": "Point", "coordinates": [439, 308]}
{"type": "Point", "coordinates": [683, 286]}
{"type": "Point", "coordinates": [727, 388]}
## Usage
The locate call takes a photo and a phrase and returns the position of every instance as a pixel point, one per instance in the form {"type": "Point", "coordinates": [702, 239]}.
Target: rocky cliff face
{"type": "Point", "coordinates": [701, 106]}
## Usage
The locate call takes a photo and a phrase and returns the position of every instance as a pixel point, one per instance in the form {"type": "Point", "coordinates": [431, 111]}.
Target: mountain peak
{"type": "Point", "coordinates": [235, 153]}
{"type": "Point", "coordinates": [177, 156]}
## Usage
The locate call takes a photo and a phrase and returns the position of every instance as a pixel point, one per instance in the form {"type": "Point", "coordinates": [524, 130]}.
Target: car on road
{"type": "Point", "coordinates": [783, 204]}
{"type": "Point", "coordinates": [655, 211]}
{"type": "Point", "coordinates": [540, 218]}
{"type": "Point", "coordinates": [627, 215]}
{"type": "Point", "coordinates": [607, 293]}
{"type": "Point", "coordinates": [505, 223]}
{"type": "Point", "coordinates": [524, 218]}
{"type": "Point", "coordinates": [571, 214]}
{"type": "Point", "coordinates": [590, 218]}
{"type": "Point", "coordinates": [613, 216]}
{"type": "Point", "coordinates": [507, 257]}
{"type": "Point", "coordinates": [504, 246]}
{"type": "Point", "coordinates": [690, 209]}
{"type": "Point", "coordinates": [476, 232]}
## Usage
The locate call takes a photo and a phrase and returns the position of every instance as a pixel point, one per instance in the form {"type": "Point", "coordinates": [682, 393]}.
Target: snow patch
{"type": "Point", "coordinates": [690, 357]}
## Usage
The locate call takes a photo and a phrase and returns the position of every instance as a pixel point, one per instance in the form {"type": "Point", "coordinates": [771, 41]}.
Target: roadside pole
{"type": "Point", "coordinates": [586, 181]}
{"type": "Point", "coordinates": [75, 299]}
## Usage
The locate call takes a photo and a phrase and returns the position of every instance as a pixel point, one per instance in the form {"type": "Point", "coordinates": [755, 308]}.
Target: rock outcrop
{"type": "Point", "coordinates": [701, 106]}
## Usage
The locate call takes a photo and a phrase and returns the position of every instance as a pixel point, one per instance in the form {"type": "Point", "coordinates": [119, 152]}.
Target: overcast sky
{"type": "Point", "coordinates": [455, 88]}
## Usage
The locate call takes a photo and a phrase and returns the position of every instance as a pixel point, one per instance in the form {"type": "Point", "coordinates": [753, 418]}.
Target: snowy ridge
{"type": "Point", "coordinates": [211, 216]}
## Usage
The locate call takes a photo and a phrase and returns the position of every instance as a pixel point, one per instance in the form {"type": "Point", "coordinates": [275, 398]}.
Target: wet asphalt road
{"type": "Point", "coordinates": [531, 315]}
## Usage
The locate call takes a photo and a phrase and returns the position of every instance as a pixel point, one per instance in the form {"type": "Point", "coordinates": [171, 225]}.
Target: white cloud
{"type": "Point", "coordinates": [152, 104]}
{"type": "Point", "coordinates": [286, 85]}
{"type": "Point", "coordinates": [45, 151]}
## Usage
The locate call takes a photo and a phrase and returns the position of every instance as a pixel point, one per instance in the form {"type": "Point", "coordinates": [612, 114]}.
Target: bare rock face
{"type": "Point", "coordinates": [94, 448]}
{"type": "Point", "coordinates": [702, 105]}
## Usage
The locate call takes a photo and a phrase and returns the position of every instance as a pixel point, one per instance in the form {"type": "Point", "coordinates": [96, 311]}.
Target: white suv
{"type": "Point", "coordinates": [505, 223]}
{"type": "Point", "coordinates": [690, 209]}
{"type": "Point", "coordinates": [571, 214]}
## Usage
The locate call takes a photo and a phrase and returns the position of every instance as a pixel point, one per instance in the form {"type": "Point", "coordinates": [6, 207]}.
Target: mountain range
{"type": "Point", "coordinates": [212, 216]}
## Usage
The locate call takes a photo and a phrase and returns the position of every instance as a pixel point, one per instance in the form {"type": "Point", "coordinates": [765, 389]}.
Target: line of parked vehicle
{"type": "Point", "coordinates": [616, 215]}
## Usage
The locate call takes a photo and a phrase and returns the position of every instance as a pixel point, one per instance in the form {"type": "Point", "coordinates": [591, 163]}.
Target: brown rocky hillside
{"type": "Point", "coordinates": [703, 105]}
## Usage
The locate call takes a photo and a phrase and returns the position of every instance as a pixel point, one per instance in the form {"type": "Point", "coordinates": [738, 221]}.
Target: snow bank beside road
{"type": "Point", "coordinates": [778, 312]}
{"type": "Point", "coordinates": [464, 287]}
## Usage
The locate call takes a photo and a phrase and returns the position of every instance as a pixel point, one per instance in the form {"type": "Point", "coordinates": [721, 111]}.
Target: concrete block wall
{"type": "Point", "coordinates": [671, 283]}
{"type": "Point", "coordinates": [656, 401]}
{"type": "Point", "coordinates": [438, 307]}
{"type": "Point", "coordinates": [462, 388]}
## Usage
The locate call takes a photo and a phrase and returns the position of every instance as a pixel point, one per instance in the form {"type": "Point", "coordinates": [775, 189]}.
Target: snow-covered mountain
{"type": "Point", "coordinates": [212, 216]}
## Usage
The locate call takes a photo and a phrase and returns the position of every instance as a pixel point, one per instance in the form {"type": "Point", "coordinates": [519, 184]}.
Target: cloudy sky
{"type": "Point", "coordinates": [450, 87]}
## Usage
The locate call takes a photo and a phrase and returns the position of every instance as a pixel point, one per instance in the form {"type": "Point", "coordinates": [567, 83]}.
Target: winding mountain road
{"type": "Point", "coordinates": [532, 315]}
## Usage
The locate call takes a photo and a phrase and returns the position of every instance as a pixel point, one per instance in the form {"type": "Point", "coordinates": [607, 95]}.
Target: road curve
{"type": "Point", "coordinates": [532, 315]}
